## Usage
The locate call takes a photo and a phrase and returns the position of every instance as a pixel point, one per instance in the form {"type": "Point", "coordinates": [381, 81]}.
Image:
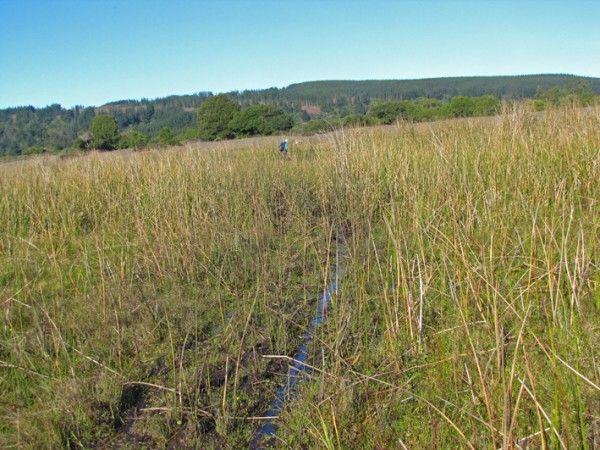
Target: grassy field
{"type": "Point", "coordinates": [141, 291]}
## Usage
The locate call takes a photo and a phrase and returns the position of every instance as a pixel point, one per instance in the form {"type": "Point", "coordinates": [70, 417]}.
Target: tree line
{"type": "Point", "coordinates": [218, 117]}
{"type": "Point", "coordinates": [304, 107]}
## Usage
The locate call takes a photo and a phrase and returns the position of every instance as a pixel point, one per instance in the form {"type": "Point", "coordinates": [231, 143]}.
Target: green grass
{"type": "Point", "coordinates": [468, 314]}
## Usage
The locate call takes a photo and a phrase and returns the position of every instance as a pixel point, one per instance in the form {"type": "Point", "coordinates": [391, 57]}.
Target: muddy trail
{"type": "Point", "coordinates": [266, 436]}
{"type": "Point", "coordinates": [142, 401]}
{"type": "Point", "coordinates": [265, 383]}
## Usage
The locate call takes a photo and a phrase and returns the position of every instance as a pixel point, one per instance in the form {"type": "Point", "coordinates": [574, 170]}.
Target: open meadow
{"type": "Point", "coordinates": [142, 291]}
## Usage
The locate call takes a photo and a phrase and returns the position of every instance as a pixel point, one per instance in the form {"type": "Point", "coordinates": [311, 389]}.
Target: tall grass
{"type": "Point", "coordinates": [140, 290]}
{"type": "Point", "coordinates": [470, 316]}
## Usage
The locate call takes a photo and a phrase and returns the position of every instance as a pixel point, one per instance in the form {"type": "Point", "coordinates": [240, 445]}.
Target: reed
{"type": "Point", "coordinates": [140, 290]}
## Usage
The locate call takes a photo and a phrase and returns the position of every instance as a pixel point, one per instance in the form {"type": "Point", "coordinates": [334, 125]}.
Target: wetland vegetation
{"type": "Point", "coordinates": [142, 290]}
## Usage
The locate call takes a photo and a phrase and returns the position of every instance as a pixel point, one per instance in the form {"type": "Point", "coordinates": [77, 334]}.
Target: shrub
{"type": "Point", "coordinates": [34, 150]}
{"type": "Point", "coordinates": [133, 139]}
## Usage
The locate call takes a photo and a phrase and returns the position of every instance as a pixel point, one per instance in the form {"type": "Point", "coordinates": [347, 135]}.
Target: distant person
{"type": "Point", "coordinates": [283, 148]}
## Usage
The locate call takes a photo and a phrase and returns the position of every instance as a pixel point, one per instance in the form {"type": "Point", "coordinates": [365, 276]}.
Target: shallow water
{"type": "Point", "coordinates": [299, 370]}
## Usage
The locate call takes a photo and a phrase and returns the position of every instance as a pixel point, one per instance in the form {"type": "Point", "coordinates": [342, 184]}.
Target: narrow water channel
{"type": "Point", "coordinates": [299, 370]}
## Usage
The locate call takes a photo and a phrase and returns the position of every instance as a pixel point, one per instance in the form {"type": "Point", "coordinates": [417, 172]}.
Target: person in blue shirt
{"type": "Point", "coordinates": [283, 148]}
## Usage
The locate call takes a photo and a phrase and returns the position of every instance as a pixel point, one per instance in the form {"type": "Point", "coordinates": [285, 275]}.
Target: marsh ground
{"type": "Point", "coordinates": [140, 290]}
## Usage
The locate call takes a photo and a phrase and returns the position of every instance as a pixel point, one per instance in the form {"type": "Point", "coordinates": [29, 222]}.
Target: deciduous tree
{"type": "Point", "coordinates": [260, 120]}
{"type": "Point", "coordinates": [214, 116]}
{"type": "Point", "coordinates": [105, 132]}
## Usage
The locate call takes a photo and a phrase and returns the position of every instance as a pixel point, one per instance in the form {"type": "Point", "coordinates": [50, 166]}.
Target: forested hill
{"type": "Point", "coordinates": [334, 95]}
{"type": "Point", "coordinates": [524, 86]}
{"type": "Point", "coordinates": [54, 127]}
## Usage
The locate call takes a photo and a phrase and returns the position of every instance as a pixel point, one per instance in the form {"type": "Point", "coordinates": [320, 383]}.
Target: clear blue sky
{"type": "Point", "coordinates": [90, 52]}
